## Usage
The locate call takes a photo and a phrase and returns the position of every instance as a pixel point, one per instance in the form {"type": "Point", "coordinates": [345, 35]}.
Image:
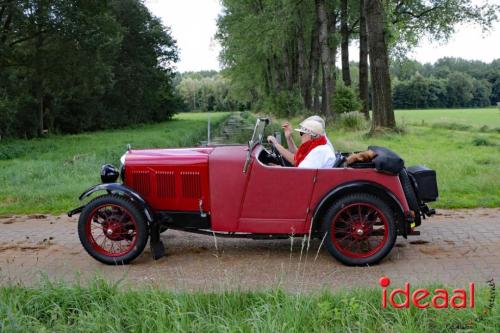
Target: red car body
{"type": "Point", "coordinates": [264, 200]}
{"type": "Point", "coordinates": [235, 191]}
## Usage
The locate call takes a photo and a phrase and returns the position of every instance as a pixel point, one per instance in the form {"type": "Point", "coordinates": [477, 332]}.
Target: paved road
{"type": "Point", "coordinates": [456, 247]}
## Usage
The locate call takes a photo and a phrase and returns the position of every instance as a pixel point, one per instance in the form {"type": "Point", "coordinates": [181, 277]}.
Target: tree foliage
{"type": "Point", "coordinates": [276, 48]}
{"type": "Point", "coordinates": [73, 65]}
{"type": "Point", "coordinates": [207, 91]}
{"type": "Point", "coordinates": [450, 82]}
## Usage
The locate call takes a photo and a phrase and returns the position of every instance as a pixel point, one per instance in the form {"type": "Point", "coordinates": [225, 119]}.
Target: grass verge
{"type": "Point", "coordinates": [102, 307]}
{"type": "Point", "coordinates": [47, 175]}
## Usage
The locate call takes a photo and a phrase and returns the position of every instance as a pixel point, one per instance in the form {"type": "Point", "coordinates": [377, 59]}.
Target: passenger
{"type": "Point", "coordinates": [314, 152]}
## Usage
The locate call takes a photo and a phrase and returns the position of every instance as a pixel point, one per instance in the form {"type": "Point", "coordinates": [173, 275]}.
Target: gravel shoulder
{"type": "Point", "coordinates": [455, 247]}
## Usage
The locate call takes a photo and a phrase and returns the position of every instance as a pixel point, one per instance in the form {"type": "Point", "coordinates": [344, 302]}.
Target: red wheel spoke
{"type": "Point", "coordinates": [111, 230]}
{"type": "Point", "coordinates": [359, 230]}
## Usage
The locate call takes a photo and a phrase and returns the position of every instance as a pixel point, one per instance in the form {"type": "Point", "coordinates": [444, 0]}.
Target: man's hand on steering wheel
{"type": "Point", "coordinates": [274, 150]}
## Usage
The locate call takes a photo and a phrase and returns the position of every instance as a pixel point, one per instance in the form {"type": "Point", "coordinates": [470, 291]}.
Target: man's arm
{"type": "Point", "coordinates": [291, 144]}
{"type": "Point", "coordinates": [282, 150]}
{"type": "Point", "coordinates": [287, 129]}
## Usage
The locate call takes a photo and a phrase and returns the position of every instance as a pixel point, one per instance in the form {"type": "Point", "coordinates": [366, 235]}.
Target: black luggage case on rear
{"type": "Point", "coordinates": [426, 182]}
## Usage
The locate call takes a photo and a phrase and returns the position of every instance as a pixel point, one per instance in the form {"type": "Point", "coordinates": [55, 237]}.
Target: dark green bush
{"type": "Point", "coordinates": [345, 100]}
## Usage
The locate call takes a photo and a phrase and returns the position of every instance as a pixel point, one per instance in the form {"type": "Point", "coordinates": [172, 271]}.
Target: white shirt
{"type": "Point", "coordinates": [322, 156]}
{"type": "Point", "coordinates": [330, 144]}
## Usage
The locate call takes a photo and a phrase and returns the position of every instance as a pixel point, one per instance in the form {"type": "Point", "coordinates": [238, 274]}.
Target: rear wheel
{"type": "Point", "coordinates": [112, 230]}
{"type": "Point", "coordinates": [359, 229]}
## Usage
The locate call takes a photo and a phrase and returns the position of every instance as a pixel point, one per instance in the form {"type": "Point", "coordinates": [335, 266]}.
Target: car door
{"type": "Point", "coordinates": [276, 199]}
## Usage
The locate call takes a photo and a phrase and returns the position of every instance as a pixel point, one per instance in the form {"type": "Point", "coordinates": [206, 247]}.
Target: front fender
{"type": "Point", "coordinates": [119, 188]}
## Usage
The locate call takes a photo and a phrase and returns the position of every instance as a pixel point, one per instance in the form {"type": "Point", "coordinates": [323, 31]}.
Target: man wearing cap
{"type": "Point", "coordinates": [314, 151]}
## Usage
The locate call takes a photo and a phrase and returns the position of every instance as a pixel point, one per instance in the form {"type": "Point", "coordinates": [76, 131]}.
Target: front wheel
{"type": "Point", "coordinates": [359, 229]}
{"type": "Point", "coordinates": [112, 230]}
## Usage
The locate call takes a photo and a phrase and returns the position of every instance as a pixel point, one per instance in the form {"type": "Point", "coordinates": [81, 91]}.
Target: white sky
{"type": "Point", "coordinates": [193, 24]}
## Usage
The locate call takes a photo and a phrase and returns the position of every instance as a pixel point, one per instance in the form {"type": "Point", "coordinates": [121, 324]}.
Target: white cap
{"type": "Point", "coordinates": [319, 119]}
{"type": "Point", "coordinates": [311, 127]}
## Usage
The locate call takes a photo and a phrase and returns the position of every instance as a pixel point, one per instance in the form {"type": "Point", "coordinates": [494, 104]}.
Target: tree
{"type": "Point", "coordinates": [383, 113]}
{"type": "Point", "coordinates": [72, 65]}
{"type": "Point", "coordinates": [363, 60]}
{"type": "Point", "coordinates": [344, 32]}
{"type": "Point", "coordinates": [459, 89]}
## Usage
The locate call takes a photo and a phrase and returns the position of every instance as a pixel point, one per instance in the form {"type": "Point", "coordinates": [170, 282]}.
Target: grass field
{"type": "Point", "coordinates": [487, 119]}
{"type": "Point", "coordinates": [100, 307]}
{"type": "Point", "coordinates": [47, 175]}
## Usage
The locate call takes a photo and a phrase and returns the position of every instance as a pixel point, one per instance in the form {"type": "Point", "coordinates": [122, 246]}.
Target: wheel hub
{"type": "Point", "coordinates": [113, 229]}
{"type": "Point", "coordinates": [360, 231]}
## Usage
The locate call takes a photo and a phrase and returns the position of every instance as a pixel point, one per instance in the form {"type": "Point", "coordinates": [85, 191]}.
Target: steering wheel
{"type": "Point", "coordinates": [276, 154]}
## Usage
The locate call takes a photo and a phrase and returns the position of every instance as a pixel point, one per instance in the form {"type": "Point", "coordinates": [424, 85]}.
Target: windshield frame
{"type": "Point", "coordinates": [257, 137]}
{"type": "Point", "coordinates": [258, 132]}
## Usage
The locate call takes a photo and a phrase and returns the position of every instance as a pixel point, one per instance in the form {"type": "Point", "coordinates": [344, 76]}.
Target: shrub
{"type": "Point", "coordinates": [480, 141]}
{"type": "Point", "coordinates": [353, 121]}
{"type": "Point", "coordinates": [346, 100]}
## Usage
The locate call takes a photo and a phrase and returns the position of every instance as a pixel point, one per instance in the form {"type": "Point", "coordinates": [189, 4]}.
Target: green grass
{"type": "Point", "coordinates": [101, 307]}
{"type": "Point", "coordinates": [487, 119]}
{"type": "Point", "coordinates": [47, 175]}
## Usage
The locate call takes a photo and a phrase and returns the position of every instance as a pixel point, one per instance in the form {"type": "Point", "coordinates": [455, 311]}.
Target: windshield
{"type": "Point", "coordinates": [258, 135]}
{"type": "Point", "coordinates": [258, 132]}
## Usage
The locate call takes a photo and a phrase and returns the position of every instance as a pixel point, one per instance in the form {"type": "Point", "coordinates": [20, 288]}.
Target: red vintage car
{"type": "Point", "coordinates": [234, 191]}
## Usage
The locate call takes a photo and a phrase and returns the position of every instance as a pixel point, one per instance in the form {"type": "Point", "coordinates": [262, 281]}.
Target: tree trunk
{"type": "Point", "coordinates": [363, 61]}
{"type": "Point", "coordinates": [287, 68]}
{"type": "Point", "coordinates": [277, 76]}
{"type": "Point", "coordinates": [302, 68]}
{"type": "Point", "coordinates": [317, 91]}
{"type": "Point", "coordinates": [325, 58]}
{"type": "Point", "coordinates": [312, 79]}
{"type": "Point", "coordinates": [383, 114]}
{"type": "Point", "coordinates": [332, 29]}
{"type": "Point", "coordinates": [344, 33]}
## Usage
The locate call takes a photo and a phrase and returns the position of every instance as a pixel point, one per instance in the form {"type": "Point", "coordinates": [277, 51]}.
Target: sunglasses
{"type": "Point", "coordinates": [301, 133]}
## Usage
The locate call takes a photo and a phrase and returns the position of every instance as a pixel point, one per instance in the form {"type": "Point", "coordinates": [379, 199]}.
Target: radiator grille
{"type": "Point", "coordinates": [165, 184]}
{"type": "Point", "coordinates": [191, 185]}
{"type": "Point", "coordinates": [140, 182]}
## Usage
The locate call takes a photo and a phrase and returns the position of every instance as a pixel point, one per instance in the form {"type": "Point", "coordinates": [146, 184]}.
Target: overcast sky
{"type": "Point", "coordinates": [193, 24]}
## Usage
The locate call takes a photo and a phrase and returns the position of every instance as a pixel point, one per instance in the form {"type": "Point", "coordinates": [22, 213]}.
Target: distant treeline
{"type": "Point", "coordinates": [69, 65]}
{"type": "Point", "coordinates": [208, 91]}
{"type": "Point", "coordinates": [450, 82]}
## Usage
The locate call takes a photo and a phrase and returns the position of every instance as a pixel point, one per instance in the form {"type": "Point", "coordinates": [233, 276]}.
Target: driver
{"type": "Point", "coordinates": [314, 152]}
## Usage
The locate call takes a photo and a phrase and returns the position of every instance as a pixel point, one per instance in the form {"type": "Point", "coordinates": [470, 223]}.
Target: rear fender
{"type": "Point", "coordinates": [120, 189]}
{"type": "Point", "coordinates": [362, 187]}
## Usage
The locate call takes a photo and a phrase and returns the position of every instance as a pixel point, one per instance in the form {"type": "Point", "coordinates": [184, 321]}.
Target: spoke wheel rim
{"type": "Point", "coordinates": [359, 230]}
{"type": "Point", "coordinates": [111, 230]}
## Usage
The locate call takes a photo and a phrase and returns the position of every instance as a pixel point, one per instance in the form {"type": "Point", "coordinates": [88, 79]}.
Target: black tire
{"type": "Point", "coordinates": [119, 220]}
{"type": "Point", "coordinates": [349, 230]}
{"type": "Point", "coordinates": [410, 195]}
